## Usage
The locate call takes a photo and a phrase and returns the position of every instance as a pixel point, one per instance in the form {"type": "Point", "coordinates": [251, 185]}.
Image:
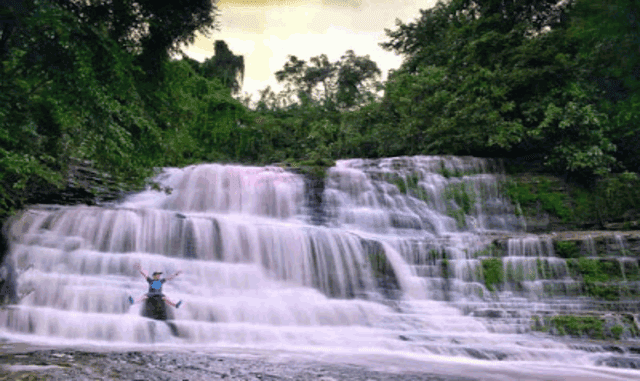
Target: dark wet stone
{"type": "Point", "coordinates": [485, 354]}
{"type": "Point", "coordinates": [492, 314]}
{"type": "Point", "coordinates": [314, 186]}
{"type": "Point", "coordinates": [620, 362]}
{"type": "Point", "coordinates": [156, 366]}
{"type": "Point", "coordinates": [8, 286]}
{"type": "Point", "coordinates": [613, 348]}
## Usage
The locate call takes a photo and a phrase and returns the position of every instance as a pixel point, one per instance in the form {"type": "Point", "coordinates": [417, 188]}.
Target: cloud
{"type": "Point", "coordinates": [266, 32]}
{"type": "Point", "coordinates": [244, 19]}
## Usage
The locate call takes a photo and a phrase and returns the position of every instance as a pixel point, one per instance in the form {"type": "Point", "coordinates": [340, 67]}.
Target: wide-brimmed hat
{"type": "Point", "coordinates": [157, 273]}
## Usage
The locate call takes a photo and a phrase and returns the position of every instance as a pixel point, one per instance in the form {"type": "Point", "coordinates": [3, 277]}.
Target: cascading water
{"type": "Point", "coordinates": [257, 273]}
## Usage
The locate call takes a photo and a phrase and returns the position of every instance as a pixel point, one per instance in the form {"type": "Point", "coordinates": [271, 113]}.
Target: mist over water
{"type": "Point", "coordinates": [259, 273]}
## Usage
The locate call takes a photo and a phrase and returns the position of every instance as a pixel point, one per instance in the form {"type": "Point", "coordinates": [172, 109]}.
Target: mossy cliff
{"type": "Point", "coordinates": [550, 203]}
{"type": "Point", "coordinates": [598, 270]}
{"type": "Point", "coordinates": [588, 255]}
{"type": "Point", "coordinates": [589, 325]}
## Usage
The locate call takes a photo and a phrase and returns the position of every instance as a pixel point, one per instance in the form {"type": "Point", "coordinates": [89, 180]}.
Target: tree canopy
{"type": "Point", "coordinates": [223, 65]}
{"type": "Point", "coordinates": [349, 82]}
{"type": "Point", "coordinates": [502, 78]}
{"type": "Point", "coordinates": [74, 90]}
{"type": "Point", "coordinates": [150, 29]}
{"type": "Point", "coordinates": [92, 82]}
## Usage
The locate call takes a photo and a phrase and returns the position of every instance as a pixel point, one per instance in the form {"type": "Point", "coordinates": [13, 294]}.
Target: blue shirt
{"type": "Point", "coordinates": [155, 285]}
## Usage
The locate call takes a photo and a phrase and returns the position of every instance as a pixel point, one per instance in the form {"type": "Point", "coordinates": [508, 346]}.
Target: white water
{"type": "Point", "coordinates": [257, 275]}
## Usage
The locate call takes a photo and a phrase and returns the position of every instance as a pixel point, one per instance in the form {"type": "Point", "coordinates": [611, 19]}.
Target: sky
{"type": "Point", "coordinates": [266, 32]}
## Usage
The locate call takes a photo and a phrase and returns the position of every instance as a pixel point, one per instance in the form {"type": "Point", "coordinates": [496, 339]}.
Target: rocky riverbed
{"type": "Point", "coordinates": [22, 363]}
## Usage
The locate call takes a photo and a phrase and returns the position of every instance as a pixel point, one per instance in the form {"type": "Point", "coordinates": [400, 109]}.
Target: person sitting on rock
{"type": "Point", "coordinates": [155, 286]}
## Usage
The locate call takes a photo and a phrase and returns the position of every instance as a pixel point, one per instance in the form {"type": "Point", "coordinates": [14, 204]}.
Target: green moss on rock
{"type": "Point", "coordinates": [491, 250]}
{"type": "Point", "coordinates": [598, 327]}
{"type": "Point", "coordinates": [459, 216]}
{"type": "Point", "coordinates": [493, 273]}
{"type": "Point", "coordinates": [616, 331]}
{"type": "Point", "coordinates": [445, 268]}
{"type": "Point", "coordinates": [540, 192]}
{"type": "Point", "coordinates": [462, 195]}
{"type": "Point", "coordinates": [601, 277]}
{"type": "Point", "coordinates": [579, 326]}
{"type": "Point", "coordinates": [566, 249]}
{"type": "Point", "coordinates": [408, 184]}
{"type": "Point", "coordinates": [316, 167]}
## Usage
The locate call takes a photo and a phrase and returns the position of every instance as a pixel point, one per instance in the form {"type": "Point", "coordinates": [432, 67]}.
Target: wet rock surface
{"type": "Point", "coordinates": [61, 364]}
{"type": "Point", "coordinates": [620, 362]}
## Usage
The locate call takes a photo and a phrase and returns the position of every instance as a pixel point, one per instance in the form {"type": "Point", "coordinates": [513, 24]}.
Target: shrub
{"type": "Point", "coordinates": [590, 326]}
{"type": "Point", "coordinates": [616, 331]}
{"type": "Point", "coordinates": [493, 273]}
{"type": "Point", "coordinates": [566, 249]}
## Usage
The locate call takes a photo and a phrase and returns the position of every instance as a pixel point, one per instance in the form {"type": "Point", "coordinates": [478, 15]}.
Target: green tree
{"type": "Point", "coordinates": [66, 96]}
{"type": "Point", "coordinates": [11, 13]}
{"type": "Point", "coordinates": [319, 76]}
{"type": "Point", "coordinates": [225, 66]}
{"type": "Point", "coordinates": [293, 76]}
{"type": "Point", "coordinates": [150, 29]}
{"type": "Point", "coordinates": [357, 80]}
{"type": "Point", "coordinates": [74, 91]}
{"type": "Point", "coordinates": [498, 78]}
{"type": "Point", "coordinates": [271, 101]}
{"type": "Point", "coordinates": [351, 81]}
{"type": "Point", "coordinates": [607, 35]}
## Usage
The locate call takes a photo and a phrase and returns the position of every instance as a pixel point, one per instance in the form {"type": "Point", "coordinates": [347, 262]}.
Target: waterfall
{"type": "Point", "coordinates": [396, 265]}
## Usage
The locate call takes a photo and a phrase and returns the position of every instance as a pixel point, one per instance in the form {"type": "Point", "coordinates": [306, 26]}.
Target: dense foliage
{"type": "Point", "coordinates": [223, 65]}
{"type": "Point", "coordinates": [611, 200]}
{"type": "Point", "coordinates": [489, 78]}
{"type": "Point", "coordinates": [74, 92]}
{"type": "Point", "coordinates": [91, 83]}
{"type": "Point", "coordinates": [502, 79]}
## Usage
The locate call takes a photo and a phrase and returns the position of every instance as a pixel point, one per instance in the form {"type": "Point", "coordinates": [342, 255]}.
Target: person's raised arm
{"type": "Point", "coordinates": [174, 275]}
{"type": "Point", "coordinates": [139, 268]}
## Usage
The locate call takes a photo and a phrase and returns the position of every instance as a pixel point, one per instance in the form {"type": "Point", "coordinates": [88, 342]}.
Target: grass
{"type": "Point", "coordinates": [595, 270]}
{"type": "Point", "coordinates": [456, 172]}
{"type": "Point", "coordinates": [592, 327]}
{"type": "Point", "coordinates": [616, 331]}
{"type": "Point", "coordinates": [597, 275]}
{"type": "Point", "coordinates": [445, 268]}
{"type": "Point", "coordinates": [489, 251]}
{"type": "Point", "coordinates": [493, 273]}
{"type": "Point", "coordinates": [459, 216]}
{"type": "Point", "coordinates": [566, 249]}
{"type": "Point", "coordinates": [402, 186]}
{"type": "Point", "coordinates": [461, 195]}
{"type": "Point", "coordinates": [604, 291]}
{"type": "Point", "coordinates": [537, 191]}
{"type": "Point", "coordinates": [316, 167]}
{"type": "Point", "coordinates": [464, 198]}
{"type": "Point", "coordinates": [434, 255]}
{"type": "Point", "coordinates": [579, 326]}
{"type": "Point", "coordinates": [409, 185]}
{"type": "Point", "coordinates": [445, 172]}
{"type": "Point", "coordinates": [610, 198]}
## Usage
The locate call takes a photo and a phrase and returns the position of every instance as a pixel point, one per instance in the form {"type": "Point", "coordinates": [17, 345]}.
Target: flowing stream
{"type": "Point", "coordinates": [260, 272]}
